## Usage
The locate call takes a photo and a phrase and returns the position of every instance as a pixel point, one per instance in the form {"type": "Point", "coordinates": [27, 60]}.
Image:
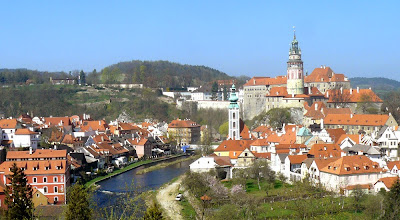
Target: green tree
{"type": "Point", "coordinates": [224, 129]}
{"type": "Point", "coordinates": [225, 93]}
{"type": "Point", "coordinates": [18, 195]}
{"type": "Point", "coordinates": [153, 212]}
{"type": "Point", "coordinates": [278, 116]}
{"type": "Point", "coordinates": [392, 202]}
{"type": "Point", "coordinates": [82, 77]}
{"type": "Point", "coordinates": [214, 91]}
{"type": "Point", "coordinates": [78, 203]}
{"type": "Point", "coordinates": [358, 197]}
{"type": "Point", "coordinates": [260, 169]}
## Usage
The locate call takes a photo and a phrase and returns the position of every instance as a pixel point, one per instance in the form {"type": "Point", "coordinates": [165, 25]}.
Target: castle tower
{"type": "Point", "coordinates": [234, 122]}
{"type": "Point", "coordinates": [295, 76]}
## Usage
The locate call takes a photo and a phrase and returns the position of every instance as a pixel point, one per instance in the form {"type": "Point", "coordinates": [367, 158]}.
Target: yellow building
{"type": "Point", "coordinates": [184, 131]}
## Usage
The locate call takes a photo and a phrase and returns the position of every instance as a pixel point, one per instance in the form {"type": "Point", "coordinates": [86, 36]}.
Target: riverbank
{"type": "Point", "coordinates": [127, 168]}
{"type": "Point", "coordinates": [165, 164]}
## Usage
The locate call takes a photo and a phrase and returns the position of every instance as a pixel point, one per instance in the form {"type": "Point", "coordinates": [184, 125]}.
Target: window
{"type": "Point", "coordinates": [45, 179]}
{"type": "Point", "coordinates": [55, 179]}
{"type": "Point", "coordinates": [45, 189]}
{"type": "Point", "coordinates": [55, 199]}
{"type": "Point", "coordinates": [245, 154]}
{"type": "Point", "coordinates": [56, 189]}
{"type": "Point", "coordinates": [34, 179]}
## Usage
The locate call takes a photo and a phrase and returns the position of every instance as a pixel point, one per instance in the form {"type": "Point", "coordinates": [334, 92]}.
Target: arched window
{"type": "Point", "coordinates": [234, 134]}
{"type": "Point", "coordinates": [45, 189]}
{"type": "Point", "coordinates": [234, 124]}
{"type": "Point", "coordinates": [233, 115]}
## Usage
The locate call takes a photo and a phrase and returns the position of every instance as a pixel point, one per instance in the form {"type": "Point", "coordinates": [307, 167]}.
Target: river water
{"type": "Point", "coordinates": [123, 185]}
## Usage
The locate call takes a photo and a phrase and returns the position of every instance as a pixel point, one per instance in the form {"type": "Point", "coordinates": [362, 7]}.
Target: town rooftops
{"type": "Point", "coordinates": [57, 121]}
{"type": "Point", "coordinates": [356, 119]}
{"type": "Point", "coordinates": [178, 123]}
{"type": "Point", "coordinates": [39, 153]}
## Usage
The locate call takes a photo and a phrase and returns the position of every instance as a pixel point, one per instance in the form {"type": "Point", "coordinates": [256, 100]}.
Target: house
{"type": "Point", "coordinates": [26, 138]}
{"type": "Point", "coordinates": [245, 158]}
{"type": "Point", "coordinates": [387, 141]}
{"type": "Point", "coordinates": [46, 170]}
{"type": "Point", "coordinates": [232, 148]}
{"type": "Point", "coordinates": [8, 128]}
{"type": "Point", "coordinates": [293, 166]}
{"type": "Point", "coordinates": [212, 162]}
{"type": "Point", "coordinates": [38, 198]}
{"type": "Point", "coordinates": [352, 98]}
{"type": "Point", "coordinates": [184, 131]}
{"type": "Point", "coordinates": [325, 151]}
{"type": "Point", "coordinates": [385, 183]}
{"type": "Point", "coordinates": [359, 123]}
{"type": "Point", "coordinates": [315, 113]}
{"type": "Point", "coordinates": [358, 149]}
{"type": "Point", "coordinates": [142, 146]}
{"type": "Point", "coordinates": [394, 167]}
{"type": "Point", "coordinates": [350, 170]}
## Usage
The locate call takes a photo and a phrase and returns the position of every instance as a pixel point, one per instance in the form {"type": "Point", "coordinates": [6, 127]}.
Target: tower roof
{"type": "Point", "coordinates": [233, 98]}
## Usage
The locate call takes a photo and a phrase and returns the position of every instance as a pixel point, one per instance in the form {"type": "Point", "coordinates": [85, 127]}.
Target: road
{"type": "Point", "coordinates": [166, 198]}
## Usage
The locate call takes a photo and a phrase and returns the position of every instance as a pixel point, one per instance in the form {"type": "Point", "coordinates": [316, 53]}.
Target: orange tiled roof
{"type": "Point", "coordinates": [258, 81]}
{"type": "Point", "coordinates": [325, 150]}
{"type": "Point", "coordinates": [390, 164]}
{"type": "Point", "coordinates": [94, 125]}
{"type": "Point", "coordinates": [178, 123]}
{"type": "Point", "coordinates": [388, 181]}
{"type": "Point", "coordinates": [354, 137]}
{"type": "Point", "coordinates": [335, 133]}
{"type": "Point", "coordinates": [263, 129]}
{"type": "Point", "coordinates": [234, 145]}
{"type": "Point", "coordinates": [8, 123]}
{"type": "Point", "coordinates": [39, 153]}
{"type": "Point", "coordinates": [323, 162]}
{"type": "Point", "coordinates": [39, 164]}
{"type": "Point", "coordinates": [352, 96]}
{"type": "Point", "coordinates": [357, 119]}
{"type": "Point", "coordinates": [260, 142]}
{"type": "Point", "coordinates": [24, 131]}
{"type": "Point", "coordinates": [280, 91]}
{"type": "Point", "coordinates": [101, 138]}
{"type": "Point", "coordinates": [56, 121]}
{"type": "Point", "coordinates": [297, 159]}
{"type": "Point", "coordinates": [262, 155]}
{"type": "Point", "coordinates": [352, 165]}
{"type": "Point", "coordinates": [319, 75]}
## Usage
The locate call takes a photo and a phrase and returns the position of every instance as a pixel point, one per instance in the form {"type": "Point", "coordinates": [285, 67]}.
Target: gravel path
{"type": "Point", "coordinates": [166, 198]}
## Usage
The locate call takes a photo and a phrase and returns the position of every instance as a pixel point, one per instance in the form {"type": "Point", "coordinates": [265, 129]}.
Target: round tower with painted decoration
{"type": "Point", "coordinates": [234, 119]}
{"type": "Point", "coordinates": [295, 76]}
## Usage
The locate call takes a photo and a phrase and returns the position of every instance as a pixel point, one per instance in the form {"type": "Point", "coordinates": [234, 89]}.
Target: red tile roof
{"type": "Point", "coordinates": [39, 153]}
{"type": "Point", "coordinates": [39, 164]}
{"type": "Point", "coordinates": [178, 123]}
{"type": "Point", "coordinates": [258, 81]}
{"type": "Point", "coordinates": [234, 145]}
{"type": "Point", "coordinates": [352, 165]}
{"type": "Point", "coordinates": [388, 181]}
{"type": "Point", "coordinates": [325, 150]}
{"type": "Point", "coordinates": [24, 131]}
{"type": "Point", "coordinates": [8, 123]}
{"type": "Point", "coordinates": [351, 95]}
{"type": "Point", "coordinates": [297, 159]}
{"type": "Point", "coordinates": [57, 121]}
{"type": "Point", "coordinates": [356, 119]}
{"type": "Point", "coordinates": [390, 164]}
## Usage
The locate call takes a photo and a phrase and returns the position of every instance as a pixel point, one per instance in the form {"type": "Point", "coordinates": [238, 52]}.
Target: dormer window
{"type": "Point", "coordinates": [35, 168]}
{"type": "Point", "coordinates": [46, 168]}
{"type": "Point", "coordinates": [58, 168]}
{"type": "Point", "coordinates": [347, 168]}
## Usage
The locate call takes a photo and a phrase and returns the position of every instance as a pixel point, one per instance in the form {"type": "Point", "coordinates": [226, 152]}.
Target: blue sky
{"type": "Point", "coordinates": [358, 38]}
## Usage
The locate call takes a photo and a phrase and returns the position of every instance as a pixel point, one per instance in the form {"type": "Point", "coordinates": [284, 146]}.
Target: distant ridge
{"type": "Point", "coordinates": [378, 84]}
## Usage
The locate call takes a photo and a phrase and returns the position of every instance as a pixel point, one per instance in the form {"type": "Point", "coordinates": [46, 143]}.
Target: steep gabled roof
{"type": "Point", "coordinates": [388, 181]}
{"type": "Point", "coordinates": [352, 165]}
{"type": "Point", "coordinates": [297, 159]}
{"type": "Point", "coordinates": [8, 123]}
{"type": "Point", "coordinates": [325, 150]}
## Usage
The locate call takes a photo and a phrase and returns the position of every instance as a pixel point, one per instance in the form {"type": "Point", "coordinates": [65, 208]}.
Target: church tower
{"type": "Point", "coordinates": [295, 76]}
{"type": "Point", "coordinates": [234, 121]}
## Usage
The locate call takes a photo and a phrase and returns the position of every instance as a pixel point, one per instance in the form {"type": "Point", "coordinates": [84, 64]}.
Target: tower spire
{"type": "Point", "coordinates": [294, 33]}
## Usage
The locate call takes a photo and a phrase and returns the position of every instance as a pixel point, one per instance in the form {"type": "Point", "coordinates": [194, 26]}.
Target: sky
{"type": "Point", "coordinates": [357, 38]}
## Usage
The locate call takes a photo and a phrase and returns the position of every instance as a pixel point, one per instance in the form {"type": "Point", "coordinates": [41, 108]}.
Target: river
{"type": "Point", "coordinates": [127, 184]}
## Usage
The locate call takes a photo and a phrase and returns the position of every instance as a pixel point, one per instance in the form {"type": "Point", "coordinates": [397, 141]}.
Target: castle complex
{"type": "Point", "coordinates": [295, 90]}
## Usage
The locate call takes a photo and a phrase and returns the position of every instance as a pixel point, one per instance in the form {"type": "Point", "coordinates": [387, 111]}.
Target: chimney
{"type": "Point", "coordinates": [351, 115]}
{"type": "Point", "coordinates": [30, 150]}
{"type": "Point", "coordinates": [316, 106]}
{"type": "Point", "coordinates": [102, 138]}
{"type": "Point", "coordinates": [99, 122]}
{"type": "Point", "coordinates": [341, 90]}
{"type": "Point", "coordinates": [369, 88]}
{"type": "Point", "coordinates": [358, 89]}
{"type": "Point", "coordinates": [351, 91]}
{"type": "Point", "coordinates": [254, 81]}
{"type": "Point", "coordinates": [322, 123]}
{"type": "Point", "coordinates": [327, 94]}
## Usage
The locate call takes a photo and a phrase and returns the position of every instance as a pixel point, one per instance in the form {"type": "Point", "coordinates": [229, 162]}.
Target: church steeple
{"type": "Point", "coordinates": [234, 122]}
{"type": "Point", "coordinates": [295, 76]}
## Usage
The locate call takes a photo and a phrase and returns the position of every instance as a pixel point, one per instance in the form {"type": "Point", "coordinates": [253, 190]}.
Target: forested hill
{"type": "Point", "coordinates": [157, 74]}
{"type": "Point", "coordinates": [380, 85]}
